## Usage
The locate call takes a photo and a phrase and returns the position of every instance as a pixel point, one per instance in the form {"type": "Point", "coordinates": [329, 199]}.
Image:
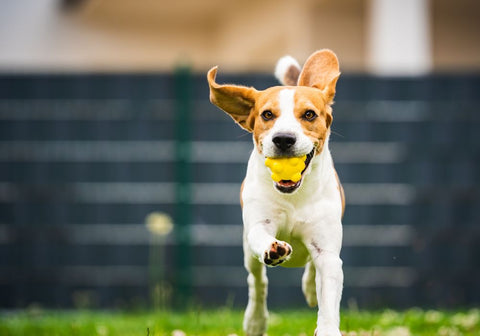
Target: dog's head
{"type": "Point", "coordinates": [286, 121]}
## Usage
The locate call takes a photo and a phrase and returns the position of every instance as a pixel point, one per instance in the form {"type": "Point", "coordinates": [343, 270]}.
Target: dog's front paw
{"type": "Point", "coordinates": [278, 252]}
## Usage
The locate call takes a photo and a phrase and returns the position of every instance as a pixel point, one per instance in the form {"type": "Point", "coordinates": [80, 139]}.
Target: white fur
{"type": "Point", "coordinates": [309, 221]}
{"type": "Point", "coordinates": [283, 65]}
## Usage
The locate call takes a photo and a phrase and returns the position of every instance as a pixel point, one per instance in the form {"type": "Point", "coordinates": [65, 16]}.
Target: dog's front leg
{"type": "Point", "coordinates": [260, 248]}
{"type": "Point", "coordinates": [263, 244]}
{"type": "Point", "coordinates": [256, 314]}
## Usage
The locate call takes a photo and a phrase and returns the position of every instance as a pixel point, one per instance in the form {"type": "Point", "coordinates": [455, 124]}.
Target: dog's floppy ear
{"type": "Point", "coordinates": [321, 70]}
{"type": "Point", "coordinates": [237, 101]}
{"type": "Point", "coordinates": [287, 70]}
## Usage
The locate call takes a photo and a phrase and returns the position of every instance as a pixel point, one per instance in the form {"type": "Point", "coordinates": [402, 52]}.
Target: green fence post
{"type": "Point", "coordinates": [183, 211]}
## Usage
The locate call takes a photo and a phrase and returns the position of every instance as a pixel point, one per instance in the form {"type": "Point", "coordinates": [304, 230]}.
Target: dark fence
{"type": "Point", "coordinates": [84, 159]}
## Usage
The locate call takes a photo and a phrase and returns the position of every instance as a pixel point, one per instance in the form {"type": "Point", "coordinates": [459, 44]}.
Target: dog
{"type": "Point", "coordinates": [292, 223]}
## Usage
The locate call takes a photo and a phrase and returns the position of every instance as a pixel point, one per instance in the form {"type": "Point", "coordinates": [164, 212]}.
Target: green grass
{"type": "Point", "coordinates": [223, 322]}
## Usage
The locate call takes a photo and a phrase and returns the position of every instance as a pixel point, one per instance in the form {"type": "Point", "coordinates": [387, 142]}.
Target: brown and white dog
{"type": "Point", "coordinates": [290, 223]}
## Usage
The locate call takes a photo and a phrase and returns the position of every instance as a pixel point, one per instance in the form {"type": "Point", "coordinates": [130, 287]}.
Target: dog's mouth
{"type": "Point", "coordinates": [289, 186]}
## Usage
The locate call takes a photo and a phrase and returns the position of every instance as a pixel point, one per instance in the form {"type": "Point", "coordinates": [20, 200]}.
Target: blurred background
{"type": "Point", "coordinates": [119, 181]}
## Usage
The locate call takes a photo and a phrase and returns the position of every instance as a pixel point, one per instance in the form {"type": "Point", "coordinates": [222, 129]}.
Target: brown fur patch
{"type": "Point", "coordinates": [321, 70]}
{"type": "Point", "coordinates": [342, 192]}
{"type": "Point", "coordinates": [291, 76]}
{"type": "Point", "coordinates": [241, 192]}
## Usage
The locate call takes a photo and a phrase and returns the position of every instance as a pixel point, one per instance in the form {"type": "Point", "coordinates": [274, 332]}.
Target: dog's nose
{"type": "Point", "coordinates": [284, 141]}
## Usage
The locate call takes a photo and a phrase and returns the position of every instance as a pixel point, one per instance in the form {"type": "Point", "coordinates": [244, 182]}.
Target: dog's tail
{"type": "Point", "coordinates": [287, 70]}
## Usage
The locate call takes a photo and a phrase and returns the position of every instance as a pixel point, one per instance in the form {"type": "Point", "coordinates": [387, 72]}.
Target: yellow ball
{"type": "Point", "coordinates": [286, 168]}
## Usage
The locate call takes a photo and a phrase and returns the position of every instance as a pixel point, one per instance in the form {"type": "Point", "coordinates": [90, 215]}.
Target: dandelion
{"type": "Point", "coordinates": [399, 331]}
{"type": "Point", "coordinates": [177, 332]}
{"type": "Point", "coordinates": [467, 321]}
{"type": "Point", "coordinates": [159, 223]}
{"type": "Point", "coordinates": [389, 317]}
{"type": "Point", "coordinates": [433, 316]}
{"type": "Point", "coordinates": [449, 331]}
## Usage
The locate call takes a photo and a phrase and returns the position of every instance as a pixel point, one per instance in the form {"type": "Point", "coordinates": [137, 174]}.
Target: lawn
{"type": "Point", "coordinates": [225, 322]}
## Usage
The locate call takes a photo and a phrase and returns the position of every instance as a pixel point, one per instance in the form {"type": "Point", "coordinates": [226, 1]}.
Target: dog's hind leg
{"type": "Point", "coordinates": [308, 285]}
{"type": "Point", "coordinates": [256, 314]}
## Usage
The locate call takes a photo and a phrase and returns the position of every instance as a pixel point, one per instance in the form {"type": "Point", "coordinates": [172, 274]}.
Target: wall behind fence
{"type": "Point", "coordinates": [84, 159]}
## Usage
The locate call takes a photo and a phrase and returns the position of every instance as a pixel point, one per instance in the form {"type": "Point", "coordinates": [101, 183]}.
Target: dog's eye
{"type": "Point", "coordinates": [267, 115]}
{"type": "Point", "coordinates": [309, 115]}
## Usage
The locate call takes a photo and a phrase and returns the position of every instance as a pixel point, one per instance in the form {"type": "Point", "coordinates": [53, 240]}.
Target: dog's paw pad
{"type": "Point", "coordinates": [277, 254]}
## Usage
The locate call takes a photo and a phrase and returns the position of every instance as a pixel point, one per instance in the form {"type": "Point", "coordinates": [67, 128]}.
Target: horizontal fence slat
{"type": "Point", "coordinates": [210, 235]}
{"type": "Point", "coordinates": [203, 193]}
{"type": "Point", "coordinates": [74, 109]}
{"type": "Point", "coordinates": [163, 151]}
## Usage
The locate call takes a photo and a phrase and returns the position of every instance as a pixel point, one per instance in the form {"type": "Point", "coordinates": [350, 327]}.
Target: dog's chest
{"type": "Point", "coordinates": [292, 219]}
{"type": "Point", "coordinates": [292, 225]}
